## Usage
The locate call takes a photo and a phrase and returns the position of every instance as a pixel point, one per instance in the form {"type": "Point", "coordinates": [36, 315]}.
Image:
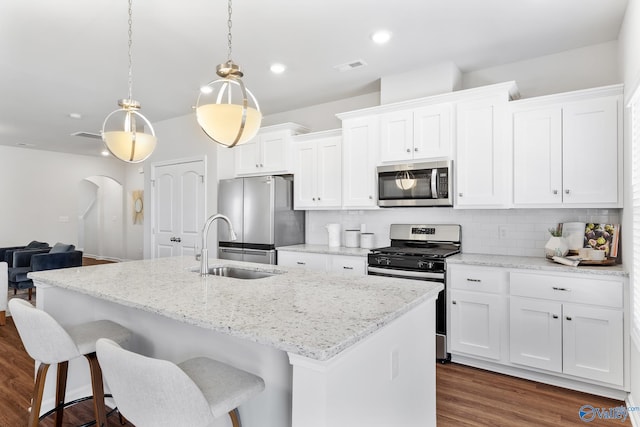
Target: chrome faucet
{"type": "Point", "coordinates": [204, 254]}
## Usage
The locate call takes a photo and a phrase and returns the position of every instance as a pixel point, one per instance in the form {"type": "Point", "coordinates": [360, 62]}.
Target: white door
{"type": "Point", "coordinates": [329, 172]}
{"type": "Point", "coordinates": [535, 336]}
{"type": "Point", "coordinates": [179, 208]}
{"type": "Point", "coordinates": [593, 343]}
{"type": "Point", "coordinates": [396, 136]}
{"type": "Point", "coordinates": [537, 157]}
{"type": "Point", "coordinates": [359, 158]}
{"type": "Point", "coordinates": [305, 188]}
{"type": "Point", "coordinates": [590, 151]}
{"type": "Point", "coordinates": [475, 323]}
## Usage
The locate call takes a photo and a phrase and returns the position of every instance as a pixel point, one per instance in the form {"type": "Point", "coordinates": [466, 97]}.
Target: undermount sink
{"type": "Point", "coordinates": [238, 273]}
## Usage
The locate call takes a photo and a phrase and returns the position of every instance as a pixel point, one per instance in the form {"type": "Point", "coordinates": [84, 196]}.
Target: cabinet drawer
{"type": "Point", "coordinates": [583, 290]}
{"type": "Point", "coordinates": [309, 260]}
{"type": "Point", "coordinates": [479, 279]}
{"type": "Point", "coordinates": [348, 264]}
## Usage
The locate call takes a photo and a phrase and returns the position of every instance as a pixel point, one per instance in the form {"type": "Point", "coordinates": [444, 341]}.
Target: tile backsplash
{"type": "Point", "coordinates": [521, 232]}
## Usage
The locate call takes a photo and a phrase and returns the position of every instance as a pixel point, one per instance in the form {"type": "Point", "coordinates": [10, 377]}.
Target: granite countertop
{"type": "Point", "coordinates": [313, 314]}
{"type": "Point", "coordinates": [325, 249]}
{"type": "Point", "coordinates": [534, 263]}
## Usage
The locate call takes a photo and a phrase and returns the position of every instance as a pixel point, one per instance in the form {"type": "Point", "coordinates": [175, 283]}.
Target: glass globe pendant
{"type": "Point", "coordinates": [226, 110]}
{"type": "Point", "coordinates": [126, 133]}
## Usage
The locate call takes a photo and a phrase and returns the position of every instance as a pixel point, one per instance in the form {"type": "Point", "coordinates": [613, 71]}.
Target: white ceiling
{"type": "Point", "coordinates": [70, 56]}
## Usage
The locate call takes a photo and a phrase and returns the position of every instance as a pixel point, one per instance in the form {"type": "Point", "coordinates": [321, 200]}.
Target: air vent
{"type": "Point", "coordinates": [87, 135]}
{"type": "Point", "coordinates": [350, 65]}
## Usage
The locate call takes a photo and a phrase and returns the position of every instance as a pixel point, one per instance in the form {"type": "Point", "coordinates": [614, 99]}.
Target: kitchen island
{"type": "Point", "coordinates": [334, 350]}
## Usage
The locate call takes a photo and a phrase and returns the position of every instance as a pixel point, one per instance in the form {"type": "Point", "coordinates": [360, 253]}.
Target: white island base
{"type": "Point", "coordinates": [386, 379]}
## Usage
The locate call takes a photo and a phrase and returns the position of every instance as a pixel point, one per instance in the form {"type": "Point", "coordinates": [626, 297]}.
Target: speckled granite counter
{"type": "Point", "coordinates": [316, 315]}
{"type": "Point", "coordinates": [324, 249]}
{"type": "Point", "coordinates": [533, 263]}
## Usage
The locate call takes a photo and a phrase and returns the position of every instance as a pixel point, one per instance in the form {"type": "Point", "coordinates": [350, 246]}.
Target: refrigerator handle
{"type": "Point", "coordinates": [232, 251]}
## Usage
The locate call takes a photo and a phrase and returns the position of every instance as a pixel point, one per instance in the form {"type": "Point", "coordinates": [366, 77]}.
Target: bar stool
{"type": "Point", "coordinates": [47, 342]}
{"type": "Point", "coordinates": [155, 393]}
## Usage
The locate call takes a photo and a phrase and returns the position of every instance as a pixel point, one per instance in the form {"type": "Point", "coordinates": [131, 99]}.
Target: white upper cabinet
{"type": "Point", "coordinates": [318, 171]}
{"type": "Point", "coordinates": [416, 134]}
{"type": "Point", "coordinates": [482, 165]}
{"type": "Point", "coordinates": [268, 152]}
{"type": "Point", "coordinates": [567, 150]}
{"type": "Point", "coordinates": [359, 159]}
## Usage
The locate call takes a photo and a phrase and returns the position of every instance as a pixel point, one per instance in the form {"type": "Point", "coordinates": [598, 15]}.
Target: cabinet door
{"type": "Point", "coordinates": [359, 158]}
{"type": "Point", "coordinates": [482, 166]}
{"type": "Point", "coordinates": [304, 188]}
{"type": "Point", "coordinates": [312, 261]}
{"type": "Point", "coordinates": [535, 337]}
{"type": "Point", "coordinates": [274, 152]}
{"type": "Point", "coordinates": [432, 132]}
{"type": "Point", "coordinates": [396, 136]}
{"type": "Point", "coordinates": [475, 323]}
{"type": "Point", "coordinates": [345, 264]}
{"type": "Point", "coordinates": [329, 173]}
{"type": "Point", "coordinates": [248, 157]}
{"type": "Point", "coordinates": [537, 157]}
{"type": "Point", "coordinates": [590, 151]}
{"type": "Point", "coordinates": [593, 343]}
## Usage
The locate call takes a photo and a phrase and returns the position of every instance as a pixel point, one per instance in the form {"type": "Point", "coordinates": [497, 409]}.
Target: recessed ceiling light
{"type": "Point", "coordinates": [278, 68]}
{"type": "Point", "coordinates": [381, 37]}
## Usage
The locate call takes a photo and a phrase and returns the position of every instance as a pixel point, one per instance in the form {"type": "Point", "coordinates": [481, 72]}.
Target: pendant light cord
{"type": "Point", "coordinates": [130, 60]}
{"type": "Point", "coordinates": [229, 24]}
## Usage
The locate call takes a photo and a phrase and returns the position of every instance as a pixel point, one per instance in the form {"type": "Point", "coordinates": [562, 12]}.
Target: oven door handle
{"type": "Point", "coordinates": [434, 183]}
{"type": "Point", "coordinates": [405, 273]}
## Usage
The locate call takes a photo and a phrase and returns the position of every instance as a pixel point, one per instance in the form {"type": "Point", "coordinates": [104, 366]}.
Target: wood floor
{"type": "Point", "coordinates": [465, 396]}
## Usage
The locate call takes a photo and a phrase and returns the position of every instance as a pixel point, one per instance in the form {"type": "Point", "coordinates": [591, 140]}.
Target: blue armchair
{"type": "Point", "coordinates": [6, 254]}
{"type": "Point", "coordinates": [26, 261]}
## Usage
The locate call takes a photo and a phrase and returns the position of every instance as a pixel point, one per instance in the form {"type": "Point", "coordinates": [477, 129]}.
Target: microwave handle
{"type": "Point", "coordinates": [434, 183]}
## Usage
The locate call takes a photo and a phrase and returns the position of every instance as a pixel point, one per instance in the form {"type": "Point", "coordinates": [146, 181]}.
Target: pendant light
{"type": "Point", "coordinates": [223, 109]}
{"type": "Point", "coordinates": [127, 134]}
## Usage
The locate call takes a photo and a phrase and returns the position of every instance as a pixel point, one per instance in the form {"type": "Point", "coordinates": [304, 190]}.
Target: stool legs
{"type": "Point", "coordinates": [235, 418]}
{"type": "Point", "coordinates": [61, 389]}
{"type": "Point", "coordinates": [36, 401]}
{"type": "Point", "coordinates": [98, 389]}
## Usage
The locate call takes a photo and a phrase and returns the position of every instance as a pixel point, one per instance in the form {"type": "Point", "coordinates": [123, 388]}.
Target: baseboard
{"type": "Point", "coordinates": [634, 416]}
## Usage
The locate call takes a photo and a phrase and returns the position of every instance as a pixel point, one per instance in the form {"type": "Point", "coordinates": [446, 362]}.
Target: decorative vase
{"type": "Point", "coordinates": [556, 246]}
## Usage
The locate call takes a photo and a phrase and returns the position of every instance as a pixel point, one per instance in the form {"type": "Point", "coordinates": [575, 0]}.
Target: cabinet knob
{"type": "Point", "coordinates": [459, 194]}
{"type": "Point", "coordinates": [313, 198]}
{"type": "Point", "coordinates": [415, 149]}
{"type": "Point", "coordinates": [370, 197]}
{"type": "Point", "coordinates": [301, 263]}
{"type": "Point", "coordinates": [261, 165]}
{"type": "Point", "coordinates": [555, 316]}
{"type": "Point", "coordinates": [555, 191]}
{"type": "Point", "coordinates": [408, 150]}
{"type": "Point", "coordinates": [568, 318]}
{"type": "Point", "coordinates": [453, 302]}
{"type": "Point", "coordinates": [257, 165]}
{"type": "Point", "coordinates": [567, 191]}
{"type": "Point", "coordinates": [318, 198]}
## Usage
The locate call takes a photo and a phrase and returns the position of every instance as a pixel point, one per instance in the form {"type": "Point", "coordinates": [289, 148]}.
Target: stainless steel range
{"type": "Point", "coordinates": [418, 252]}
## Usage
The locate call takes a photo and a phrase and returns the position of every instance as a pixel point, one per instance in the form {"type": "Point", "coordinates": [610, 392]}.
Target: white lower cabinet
{"type": "Point", "coordinates": [562, 328]}
{"type": "Point", "coordinates": [568, 324]}
{"type": "Point", "coordinates": [345, 264]}
{"type": "Point", "coordinates": [477, 306]}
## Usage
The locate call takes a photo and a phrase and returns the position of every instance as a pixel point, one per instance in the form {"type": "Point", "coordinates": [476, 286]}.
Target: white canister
{"type": "Point", "coordinates": [351, 238]}
{"type": "Point", "coordinates": [366, 240]}
{"type": "Point", "coordinates": [334, 234]}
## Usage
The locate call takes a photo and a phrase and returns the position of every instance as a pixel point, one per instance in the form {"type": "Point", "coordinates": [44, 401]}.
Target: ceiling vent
{"type": "Point", "coordinates": [350, 65]}
{"type": "Point", "coordinates": [87, 135]}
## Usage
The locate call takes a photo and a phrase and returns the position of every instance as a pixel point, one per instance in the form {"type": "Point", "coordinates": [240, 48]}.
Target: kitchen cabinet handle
{"type": "Point", "coordinates": [555, 316]}
{"type": "Point", "coordinates": [474, 280]}
{"type": "Point", "coordinates": [454, 302]}
{"type": "Point", "coordinates": [567, 191]}
{"type": "Point", "coordinates": [318, 198]}
{"type": "Point", "coordinates": [555, 288]}
{"type": "Point", "coordinates": [555, 191]}
{"type": "Point", "coordinates": [415, 149]}
{"type": "Point", "coordinates": [568, 318]}
{"type": "Point", "coordinates": [173, 239]}
{"type": "Point", "coordinates": [347, 268]}
{"type": "Point", "coordinates": [313, 199]}
{"type": "Point", "coordinates": [257, 165]}
{"type": "Point", "coordinates": [261, 165]}
{"type": "Point", "coordinates": [370, 197]}
{"type": "Point", "coordinates": [178, 239]}
{"type": "Point", "coordinates": [301, 263]}
{"type": "Point", "coordinates": [459, 194]}
{"type": "Point", "coordinates": [408, 150]}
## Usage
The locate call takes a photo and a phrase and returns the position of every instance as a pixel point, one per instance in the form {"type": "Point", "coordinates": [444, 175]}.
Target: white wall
{"type": "Point", "coordinates": [180, 138]}
{"type": "Point", "coordinates": [629, 40]}
{"type": "Point", "coordinates": [40, 193]}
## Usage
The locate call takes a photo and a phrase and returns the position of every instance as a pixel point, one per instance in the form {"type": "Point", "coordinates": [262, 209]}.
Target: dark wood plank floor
{"type": "Point", "coordinates": [466, 397]}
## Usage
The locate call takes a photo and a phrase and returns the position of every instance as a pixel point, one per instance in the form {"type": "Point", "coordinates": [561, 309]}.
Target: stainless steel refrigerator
{"type": "Point", "coordinates": [261, 212]}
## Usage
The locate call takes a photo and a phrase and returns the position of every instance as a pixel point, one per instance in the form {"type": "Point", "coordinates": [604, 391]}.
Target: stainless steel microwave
{"type": "Point", "coordinates": [416, 184]}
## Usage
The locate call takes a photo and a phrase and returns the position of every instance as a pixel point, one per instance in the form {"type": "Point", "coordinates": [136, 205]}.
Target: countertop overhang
{"type": "Point", "coordinates": [309, 313]}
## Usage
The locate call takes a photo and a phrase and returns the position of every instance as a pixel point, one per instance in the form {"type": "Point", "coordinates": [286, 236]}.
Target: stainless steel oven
{"type": "Point", "coordinates": [416, 184]}
{"type": "Point", "coordinates": [418, 252]}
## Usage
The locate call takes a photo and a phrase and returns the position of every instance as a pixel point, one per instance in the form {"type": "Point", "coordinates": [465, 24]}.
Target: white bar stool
{"type": "Point", "coordinates": [157, 393]}
{"type": "Point", "coordinates": [47, 342]}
